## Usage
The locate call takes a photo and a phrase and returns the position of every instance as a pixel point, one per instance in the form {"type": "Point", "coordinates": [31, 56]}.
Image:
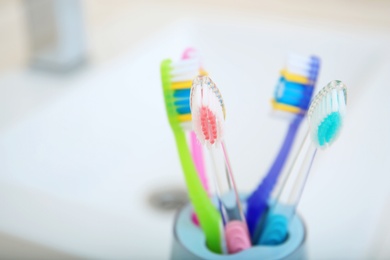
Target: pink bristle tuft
{"type": "Point", "coordinates": [209, 124]}
{"type": "Point", "coordinates": [207, 111]}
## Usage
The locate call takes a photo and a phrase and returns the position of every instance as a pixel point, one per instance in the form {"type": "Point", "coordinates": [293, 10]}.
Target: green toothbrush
{"type": "Point", "coordinates": [176, 81]}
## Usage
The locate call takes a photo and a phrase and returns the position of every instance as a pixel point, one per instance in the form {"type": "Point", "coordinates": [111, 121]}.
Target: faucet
{"type": "Point", "coordinates": [56, 33]}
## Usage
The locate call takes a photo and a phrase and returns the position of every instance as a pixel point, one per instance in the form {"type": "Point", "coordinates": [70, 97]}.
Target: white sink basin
{"type": "Point", "coordinates": [75, 172]}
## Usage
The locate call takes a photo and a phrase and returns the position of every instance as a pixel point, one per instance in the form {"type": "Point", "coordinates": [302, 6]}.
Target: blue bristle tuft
{"type": "Point", "coordinates": [183, 110]}
{"type": "Point", "coordinates": [293, 94]}
{"type": "Point", "coordinates": [276, 230]}
{"type": "Point", "coordinates": [329, 128]}
{"type": "Point", "coordinates": [182, 93]}
{"type": "Point", "coordinates": [182, 101]}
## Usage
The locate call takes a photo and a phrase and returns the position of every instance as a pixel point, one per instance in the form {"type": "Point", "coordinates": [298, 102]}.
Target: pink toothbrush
{"type": "Point", "coordinates": [196, 147]}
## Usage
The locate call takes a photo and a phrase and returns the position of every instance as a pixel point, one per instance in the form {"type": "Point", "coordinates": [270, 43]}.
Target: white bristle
{"type": "Point", "coordinates": [185, 77]}
{"type": "Point", "coordinates": [300, 65]}
{"type": "Point", "coordinates": [329, 103]}
{"type": "Point", "coordinates": [185, 70]}
{"type": "Point", "coordinates": [297, 70]}
{"type": "Point", "coordinates": [335, 100]}
{"type": "Point", "coordinates": [342, 101]}
{"type": "Point", "coordinates": [305, 66]}
{"type": "Point", "coordinates": [324, 113]}
{"type": "Point", "coordinates": [332, 98]}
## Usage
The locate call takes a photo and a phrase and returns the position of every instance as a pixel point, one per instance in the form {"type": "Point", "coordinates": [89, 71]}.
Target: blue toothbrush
{"type": "Point", "coordinates": [293, 94]}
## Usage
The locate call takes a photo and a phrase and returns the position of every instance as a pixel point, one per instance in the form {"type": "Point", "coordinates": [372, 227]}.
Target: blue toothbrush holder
{"type": "Point", "coordinates": [189, 242]}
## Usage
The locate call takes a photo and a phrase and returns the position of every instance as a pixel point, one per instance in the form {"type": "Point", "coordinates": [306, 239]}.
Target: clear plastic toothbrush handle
{"type": "Point", "coordinates": [283, 209]}
{"type": "Point", "coordinates": [292, 188]}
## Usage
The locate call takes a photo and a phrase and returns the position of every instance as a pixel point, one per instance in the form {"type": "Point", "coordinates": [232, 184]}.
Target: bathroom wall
{"type": "Point", "coordinates": [13, 35]}
{"type": "Point", "coordinates": [106, 20]}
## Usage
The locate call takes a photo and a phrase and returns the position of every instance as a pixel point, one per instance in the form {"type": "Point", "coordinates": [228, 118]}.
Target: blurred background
{"type": "Point", "coordinates": [88, 166]}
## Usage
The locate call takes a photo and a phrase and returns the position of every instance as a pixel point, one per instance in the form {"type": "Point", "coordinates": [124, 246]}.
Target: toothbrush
{"type": "Point", "coordinates": [196, 148]}
{"type": "Point", "coordinates": [175, 78]}
{"type": "Point", "coordinates": [208, 116]}
{"type": "Point", "coordinates": [294, 98]}
{"type": "Point", "coordinates": [325, 117]}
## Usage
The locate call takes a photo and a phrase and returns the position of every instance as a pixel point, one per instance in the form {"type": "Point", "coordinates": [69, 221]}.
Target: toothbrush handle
{"type": "Point", "coordinates": [257, 203]}
{"type": "Point", "coordinates": [297, 175]}
{"type": "Point", "coordinates": [237, 236]}
{"type": "Point", "coordinates": [281, 213]}
{"type": "Point", "coordinates": [209, 218]}
{"type": "Point", "coordinates": [236, 231]}
{"type": "Point", "coordinates": [197, 155]}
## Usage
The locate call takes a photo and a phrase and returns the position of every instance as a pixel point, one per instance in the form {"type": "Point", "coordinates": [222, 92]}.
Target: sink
{"type": "Point", "coordinates": [77, 167]}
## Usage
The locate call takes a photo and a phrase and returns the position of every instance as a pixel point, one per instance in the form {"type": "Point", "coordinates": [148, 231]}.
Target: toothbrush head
{"type": "Point", "coordinates": [208, 111]}
{"type": "Point", "coordinates": [296, 85]}
{"type": "Point", "coordinates": [176, 80]}
{"type": "Point", "coordinates": [326, 113]}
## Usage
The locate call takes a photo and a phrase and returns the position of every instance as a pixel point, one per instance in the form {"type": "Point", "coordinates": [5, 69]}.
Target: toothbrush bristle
{"type": "Point", "coordinates": [326, 113]}
{"type": "Point", "coordinates": [180, 75]}
{"type": "Point", "coordinates": [207, 110]}
{"type": "Point", "coordinates": [209, 125]}
{"type": "Point", "coordinates": [295, 87]}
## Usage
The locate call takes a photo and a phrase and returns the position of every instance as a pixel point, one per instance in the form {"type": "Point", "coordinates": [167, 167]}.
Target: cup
{"type": "Point", "coordinates": [190, 243]}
